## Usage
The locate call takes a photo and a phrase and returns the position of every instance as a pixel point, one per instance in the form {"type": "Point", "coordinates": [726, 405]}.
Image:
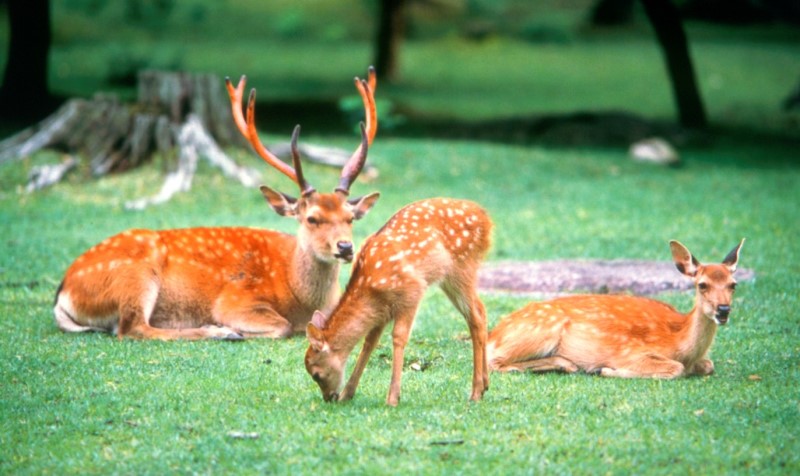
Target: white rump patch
{"type": "Point", "coordinates": [68, 319]}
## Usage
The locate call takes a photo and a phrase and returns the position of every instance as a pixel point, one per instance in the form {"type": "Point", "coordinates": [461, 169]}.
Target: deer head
{"type": "Point", "coordinates": [325, 218]}
{"type": "Point", "coordinates": [326, 368]}
{"type": "Point", "coordinates": [714, 282]}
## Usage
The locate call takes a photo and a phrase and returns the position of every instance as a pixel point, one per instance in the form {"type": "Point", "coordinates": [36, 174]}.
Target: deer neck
{"type": "Point", "coordinates": [314, 282]}
{"type": "Point", "coordinates": [698, 336]}
{"type": "Point", "coordinates": [352, 319]}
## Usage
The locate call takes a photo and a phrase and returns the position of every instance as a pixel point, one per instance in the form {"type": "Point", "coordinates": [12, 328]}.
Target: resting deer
{"type": "Point", "coordinates": [432, 241]}
{"type": "Point", "coordinates": [620, 336]}
{"type": "Point", "coordinates": [224, 282]}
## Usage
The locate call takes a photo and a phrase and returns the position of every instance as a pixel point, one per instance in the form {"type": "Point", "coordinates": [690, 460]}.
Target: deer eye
{"type": "Point", "coordinates": [732, 286]}
{"type": "Point", "coordinates": [313, 220]}
{"type": "Point", "coordinates": [702, 286]}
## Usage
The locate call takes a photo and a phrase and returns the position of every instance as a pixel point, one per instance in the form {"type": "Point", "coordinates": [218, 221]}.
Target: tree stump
{"type": "Point", "coordinates": [190, 112]}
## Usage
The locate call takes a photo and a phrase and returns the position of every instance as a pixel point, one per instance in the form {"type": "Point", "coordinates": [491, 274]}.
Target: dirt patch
{"type": "Point", "coordinates": [590, 276]}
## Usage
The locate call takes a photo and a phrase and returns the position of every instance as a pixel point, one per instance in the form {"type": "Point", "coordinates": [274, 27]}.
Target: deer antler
{"type": "Point", "coordinates": [248, 128]}
{"type": "Point", "coordinates": [305, 187]}
{"type": "Point", "coordinates": [353, 166]}
{"type": "Point", "coordinates": [366, 88]}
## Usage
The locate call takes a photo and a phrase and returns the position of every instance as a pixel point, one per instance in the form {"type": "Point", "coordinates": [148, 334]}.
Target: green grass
{"type": "Point", "coordinates": [92, 404]}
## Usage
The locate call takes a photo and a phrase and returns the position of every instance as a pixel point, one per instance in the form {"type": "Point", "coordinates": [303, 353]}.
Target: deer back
{"type": "Point", "coordinates": [192, 266]}
{"type": "Point", "coordinates": [423, 243]}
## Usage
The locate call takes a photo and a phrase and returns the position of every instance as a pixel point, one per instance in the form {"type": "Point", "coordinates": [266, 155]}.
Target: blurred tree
{"type": "Point", "coordinates": [24, 93]}
{"type": "Point", "coordinates": [666, 21]}
{"type": "Point", "coordinates": [391, 30]}
{"type": "Point", "coordinates": [736, 12]}
{"type": "Point", "coordinates": [665, 18]}
{"type": "Point", "coordinates": [611, 12]}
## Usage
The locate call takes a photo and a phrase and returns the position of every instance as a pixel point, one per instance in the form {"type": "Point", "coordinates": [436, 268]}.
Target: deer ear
{"type": "Point", "coordinates": [362, 205]}
{"type": "Point", "coordinates": [319, 319]}
{"type": "Point", "coordinates": [684, 261]}
{"type": "Point", "coordinates": [314, 332]}
{"type": "Point", "coordinates": [284, 205]}
{"type": "Point", "coordinates": [315, 338]}
{"type": "Point", "coordinates": [733, 257]}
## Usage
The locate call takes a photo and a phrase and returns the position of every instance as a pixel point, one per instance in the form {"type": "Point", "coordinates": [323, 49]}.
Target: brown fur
{"type": "Point", "coordinates": [212, 282]}
{"type": "Point", "coordinates": [432, 241]}
{"type": "Point", "coordinates": [619, 336]}
{"type": "Point", "coordinates": [225, 282]}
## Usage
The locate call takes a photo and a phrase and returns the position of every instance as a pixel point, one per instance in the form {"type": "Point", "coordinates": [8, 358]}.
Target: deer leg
{"type": "Point", "coordinates": [135, 313]}
{"type": "Point", "coordinates": [702, 367]}
{"type": "Point", "coordinates": [461, 293]}
{"type": "Point", "coordinates": [649, 366]}
{"type": "Point", "coordinates": [250, 317]}
{"type": "Point", "coordinates": [403, 321]}
{"type": "Point", "coordinates": [370, 342]}
{"type": "Point", "coordinates": [137, 310]}
{"type": "Point", "coordinates": [547, 364]}
{"type": "Point", "coordinates": [267, 324]}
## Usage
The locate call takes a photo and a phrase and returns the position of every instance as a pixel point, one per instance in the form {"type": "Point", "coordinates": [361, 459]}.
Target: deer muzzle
{"type": "Point", "coordinates": [330, 396]}
{"type": "Point", "coordinates": [721, 316]}
{"type": "Point", "coordinates": [344, 251]}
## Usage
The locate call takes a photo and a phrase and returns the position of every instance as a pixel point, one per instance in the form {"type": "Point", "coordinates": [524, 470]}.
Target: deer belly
{"type": "Point", "coordinates": [591, 349]}
{"type": "Point", "coordinates": [181, 308]}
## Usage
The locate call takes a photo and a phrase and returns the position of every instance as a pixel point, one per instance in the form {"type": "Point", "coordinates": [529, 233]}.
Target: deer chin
{"type": "Point", "coordinates": [330, 258]}
{"type": "Point", "coordinates": [344, 257]}
{"type": "Point", "coordinates": [720, 320]}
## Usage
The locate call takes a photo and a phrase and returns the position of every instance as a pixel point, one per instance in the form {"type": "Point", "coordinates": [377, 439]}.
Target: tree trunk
{"type": "Point", "coordinates": [611, 12]}
{"type": "Point", "coordinates": [180, 110]}
{"type": "Point", "coordinates": [391, 30]}
{"type": "Point", "coordinates": [666, 21]}
{"type": "Point", "coordinates": [24, 94]}
{"type": "Point", "coordinates": [174, 110]}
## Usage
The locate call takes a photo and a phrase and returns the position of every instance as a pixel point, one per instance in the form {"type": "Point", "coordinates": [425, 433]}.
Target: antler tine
{"type": "Point", "coordinates": [236, 102]}
{"type": "Point", "coordinates": [368, 97]}
{"type": "Point", "coordinates": [354, 165]}
{"type": "Point", "coordinates": [372, 79]}
{"type": "Point", "coordinates": [305, 188]}
{"type": "Point", "coordinates": [252, 137]}
{"type": "Point", "coordinates": [366, 88]}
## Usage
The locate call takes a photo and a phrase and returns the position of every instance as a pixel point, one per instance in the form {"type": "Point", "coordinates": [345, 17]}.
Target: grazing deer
{"type": "Point", "coordinates": [432, 241]}
{"type": "Point", "coordinates": [620, 336]}
{"type": "Point", "coordinates": [224, 282]}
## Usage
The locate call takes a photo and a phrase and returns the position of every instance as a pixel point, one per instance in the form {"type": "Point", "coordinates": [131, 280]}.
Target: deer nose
{"type": "Point", "coordinates": [723, 310]}
{"type": "Point", "coordinates": [345, 249]}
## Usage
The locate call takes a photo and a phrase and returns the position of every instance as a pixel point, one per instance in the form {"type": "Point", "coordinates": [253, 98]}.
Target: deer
{"type": "Point", "coordinates": [225, 282]}
{"type": "Point", "coordinates": [620, 335]}
{"type": "Point", "coordinates": [435, 241]}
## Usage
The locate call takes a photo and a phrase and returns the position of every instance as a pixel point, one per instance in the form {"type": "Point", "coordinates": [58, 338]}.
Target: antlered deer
{"type": "Point", "coordinates": [620, 336]}
{"type": "Point", "coordinates": [224, 282]}
{"type": "Point", "coordinates": [431, 241]}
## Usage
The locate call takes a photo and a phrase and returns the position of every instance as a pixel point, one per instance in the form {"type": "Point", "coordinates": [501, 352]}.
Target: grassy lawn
{"type": "Point", "coordinates": [90, 404]}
